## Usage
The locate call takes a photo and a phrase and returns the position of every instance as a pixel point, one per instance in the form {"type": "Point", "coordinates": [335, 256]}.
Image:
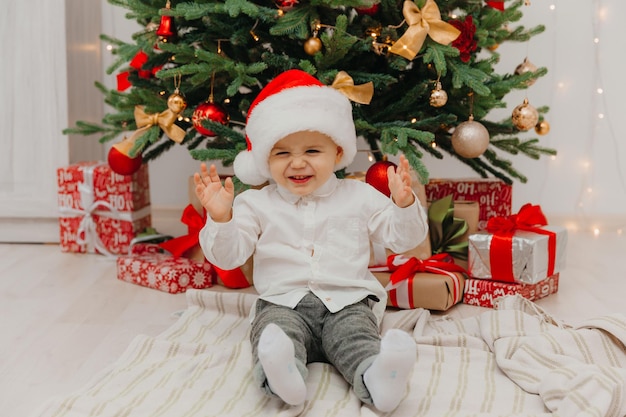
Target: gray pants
{"type": "Point", "coordinates": [349, 339]}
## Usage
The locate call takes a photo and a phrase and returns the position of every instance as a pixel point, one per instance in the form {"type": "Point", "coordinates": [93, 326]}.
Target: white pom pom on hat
{"type": "Point", "coordinates": [292, 102]}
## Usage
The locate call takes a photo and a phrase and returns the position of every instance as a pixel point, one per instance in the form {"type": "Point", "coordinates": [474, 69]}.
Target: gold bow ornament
{"type": "Point", "coordinates": [361, 93]}
{"type": "Point", "coordinates": [421, 23]}
{"type": "Point", "coordinates": [165, 120]}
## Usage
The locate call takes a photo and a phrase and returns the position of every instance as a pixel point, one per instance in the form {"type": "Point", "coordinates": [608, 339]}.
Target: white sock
{"type": "Point", "coordinates": [388, 375]}
{"type": "Point", "coordinates": [277, 357]}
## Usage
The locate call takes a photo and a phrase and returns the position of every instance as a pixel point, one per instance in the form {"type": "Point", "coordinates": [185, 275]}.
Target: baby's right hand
{"type": "Point", "coordinates": [215, 198]}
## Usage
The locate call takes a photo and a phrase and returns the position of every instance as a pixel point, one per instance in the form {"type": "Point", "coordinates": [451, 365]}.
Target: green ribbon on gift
{"type": "Point", "coordinates": [446, 230]}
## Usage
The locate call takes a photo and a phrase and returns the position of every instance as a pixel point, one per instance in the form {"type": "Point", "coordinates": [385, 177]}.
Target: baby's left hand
{"type": "Point", "coordinates": [400, 183]}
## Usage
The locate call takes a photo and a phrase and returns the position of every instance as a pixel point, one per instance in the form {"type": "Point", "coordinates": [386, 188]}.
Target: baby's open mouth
{"type": "Point", "coordinates": [300, 178]}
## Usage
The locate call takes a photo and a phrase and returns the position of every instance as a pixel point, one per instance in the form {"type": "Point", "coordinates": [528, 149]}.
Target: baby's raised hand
{"type": "Point", "coordinates": [400, 183]}
{"type": "Point", "coordinates": [216, 198]}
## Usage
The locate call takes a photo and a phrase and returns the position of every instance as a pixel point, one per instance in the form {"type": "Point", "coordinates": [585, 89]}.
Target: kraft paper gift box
{"type": "Point", "coordinates": [151, 268]}
{"type": "Point", "coordinates": [516, 249]}
{"type": "Point", "coordinates": [494, 196]}
{"type": "Point", "coordinates": [101, 211]}
{"type": "Point", "coordinates": [431, 284]}
{"type": "Point", "coordinates": [484, 292]}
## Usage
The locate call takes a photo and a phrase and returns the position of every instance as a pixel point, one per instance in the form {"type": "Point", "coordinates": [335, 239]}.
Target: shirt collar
{"type": "Point", "coordinates": [325, 190]}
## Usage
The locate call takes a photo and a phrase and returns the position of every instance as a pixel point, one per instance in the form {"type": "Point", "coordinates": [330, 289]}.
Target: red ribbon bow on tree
{"type": "Point", "coordinates": [499, 5]}
{"type": "Point", "coordinates": [530, 218]}
{"type": "Point", "coordinates": [136, 63]}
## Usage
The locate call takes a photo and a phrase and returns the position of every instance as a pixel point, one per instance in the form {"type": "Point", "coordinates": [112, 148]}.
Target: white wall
{"type": "Point", "coordinates": [586, 182]}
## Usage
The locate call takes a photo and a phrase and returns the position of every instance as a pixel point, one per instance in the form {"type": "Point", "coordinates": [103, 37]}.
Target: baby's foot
{"type": "Point", "coordinates": [277, 357]}
{"type": "Point", "coordinates": [388, 375]}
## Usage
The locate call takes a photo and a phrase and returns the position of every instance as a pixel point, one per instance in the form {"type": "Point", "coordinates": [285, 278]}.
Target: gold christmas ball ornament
{"type": "Point", "coordinates": [176, 103]}
{"type": "Point", "coordinates": [312, 45]}
{"type": "Point", "coordinates": [525, 67]}
{"type": "Point", "coordinates": [438, 96]}
{"type": "Point", "coordinates": [542, 128]}
{"type": "Point", "coordinates": [525, 116]}
{"type": "Point", "coordinates": [470, 139]}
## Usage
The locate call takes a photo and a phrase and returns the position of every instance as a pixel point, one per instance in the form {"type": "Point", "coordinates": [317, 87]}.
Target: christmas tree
{"type": "Point", "coordinates": [189, 77]}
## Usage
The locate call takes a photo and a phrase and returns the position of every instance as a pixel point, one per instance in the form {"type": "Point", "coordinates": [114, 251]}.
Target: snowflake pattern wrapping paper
{"type": "Point", "coordinates": [165, 272]}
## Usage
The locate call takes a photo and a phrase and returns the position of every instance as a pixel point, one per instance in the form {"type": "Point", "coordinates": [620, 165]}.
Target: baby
{"type": "Point", "coordinates": [310, 235]}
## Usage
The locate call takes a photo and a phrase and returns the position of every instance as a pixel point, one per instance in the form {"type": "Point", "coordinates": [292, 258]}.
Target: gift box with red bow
{"type": "Point", "coordinates": [484, 292]}
{"type": "Point", "coordinates": [101, 211]}
{"type": "Point", "coordinates": [520, 248]}
{"type": "Point", "coordinates": [149, 266]}
{"type": "Point", "coordinates": [435, 283]}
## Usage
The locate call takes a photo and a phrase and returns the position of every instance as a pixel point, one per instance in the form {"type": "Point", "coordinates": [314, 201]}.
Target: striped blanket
{"type": "Point", "coordinates": [511, 361]}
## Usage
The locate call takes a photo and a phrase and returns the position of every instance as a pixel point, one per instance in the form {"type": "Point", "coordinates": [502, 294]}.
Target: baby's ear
{"type": "Point", "coordinates": [339, 154]}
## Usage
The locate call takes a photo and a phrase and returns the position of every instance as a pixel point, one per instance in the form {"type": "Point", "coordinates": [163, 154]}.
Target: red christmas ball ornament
{"type": "Point", "coordinates": [370, 11]}
{"type": "Point", "coordinates": [286, 5]}
{"type": "Point", "coordinates": [120, 162]}
{"type": "Point", "coordinates": [376, 176]}
{"type": "Point", "coordinates": [209, 111]}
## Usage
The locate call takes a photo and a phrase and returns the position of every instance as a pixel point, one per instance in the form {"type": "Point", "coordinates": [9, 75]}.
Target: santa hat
{"type": "Point", "coordinates": [292, 102]}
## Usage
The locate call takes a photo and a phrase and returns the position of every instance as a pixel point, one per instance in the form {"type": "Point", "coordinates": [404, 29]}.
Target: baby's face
{"type": "Point", "coordinates": [303, 161]}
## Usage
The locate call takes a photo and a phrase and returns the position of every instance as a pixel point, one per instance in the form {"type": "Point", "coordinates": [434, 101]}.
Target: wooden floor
{"type": "Point", "coordinates": [64, 317]}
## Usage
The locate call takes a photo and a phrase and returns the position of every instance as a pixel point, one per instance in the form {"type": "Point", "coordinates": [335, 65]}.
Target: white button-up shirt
{"type": "Point", "coordinates": [318, 243]}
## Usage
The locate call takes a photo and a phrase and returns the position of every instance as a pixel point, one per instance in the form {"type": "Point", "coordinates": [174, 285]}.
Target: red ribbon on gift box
{"type": "Point", "coordinates": [531, 219]}
{"type": "Point", "coordinates": [195, 222]}
{"type": "Point", "coordinates": [232, 278]}
{"type": "Point", "coordinates": [404, 269]}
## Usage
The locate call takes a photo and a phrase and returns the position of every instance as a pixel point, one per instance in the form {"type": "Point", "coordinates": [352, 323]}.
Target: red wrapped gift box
{"type": "Point", "coordinates": [483, 292]}
{"type": "Point", "coordinates": [164, 272]}
{"type": "Point", "coordinates": [101, 211]}
{"type": "Point", "coordinates": [494, 196]}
